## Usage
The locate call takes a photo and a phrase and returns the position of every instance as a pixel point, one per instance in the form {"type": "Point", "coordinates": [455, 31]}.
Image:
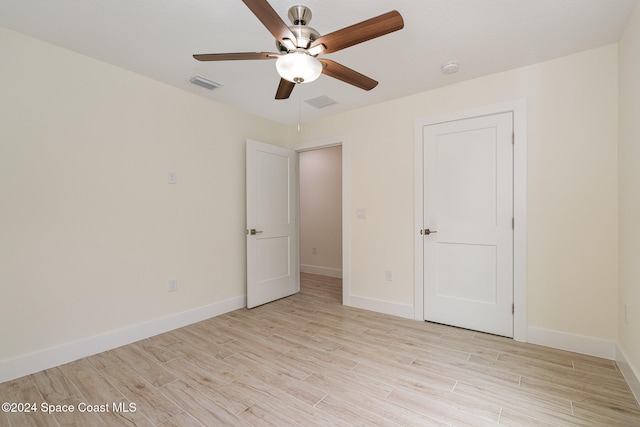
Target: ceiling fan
{"type": "Point", "coordinates": [299, 45]}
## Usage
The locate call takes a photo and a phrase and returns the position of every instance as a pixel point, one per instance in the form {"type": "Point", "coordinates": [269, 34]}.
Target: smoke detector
{"type": "Point", "coordinates": [450, 68]}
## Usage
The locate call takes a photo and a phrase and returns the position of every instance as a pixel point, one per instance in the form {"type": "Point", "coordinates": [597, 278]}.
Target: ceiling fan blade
{"type": "Point", "coordinates": [235, 56]}
{"type": "Point", "coordinates": [284, 89]}
{"type": "Point", "coordinates": [270, 19]}
{"type": "Point", "coordinates": [361, 32]}
{"type": "Point", "coordinates": [347, 75]}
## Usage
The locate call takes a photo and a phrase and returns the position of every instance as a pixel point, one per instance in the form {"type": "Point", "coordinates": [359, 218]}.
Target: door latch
{"type": "Point", "coordinates": [426, 231]}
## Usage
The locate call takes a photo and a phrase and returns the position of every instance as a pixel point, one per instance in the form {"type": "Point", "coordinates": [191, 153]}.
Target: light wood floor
{"type": "Point", "coordinates": [307, 360]}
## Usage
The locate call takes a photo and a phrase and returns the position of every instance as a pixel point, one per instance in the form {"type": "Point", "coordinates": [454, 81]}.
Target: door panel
{"type": "Point", "coordinates": [272, 187]}
{"type": "Point", "coordinates": [476, 281]}
{"type": "Point", "coordinates": [272, 263]}
{"type": "Point", "coordinates": [466, 176]}
{"type": "Point", "coordinates": [468, 201]}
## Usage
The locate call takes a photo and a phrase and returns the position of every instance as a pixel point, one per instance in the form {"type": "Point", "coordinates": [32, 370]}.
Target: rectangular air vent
{"type": "Point", "coordinates": [320, 101]}
{"type": "Point", "coordinates": [205, 83]}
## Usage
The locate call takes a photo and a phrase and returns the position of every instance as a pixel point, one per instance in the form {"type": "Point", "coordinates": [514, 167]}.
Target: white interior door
{"type": "Point", "coordinates": [467, 224]}
{"type": "Point", "coordinates": [272, 230]}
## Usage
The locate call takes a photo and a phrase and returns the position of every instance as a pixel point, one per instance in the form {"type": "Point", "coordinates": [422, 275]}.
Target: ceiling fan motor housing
{"type": "Point", "coordinates": [305, 35]}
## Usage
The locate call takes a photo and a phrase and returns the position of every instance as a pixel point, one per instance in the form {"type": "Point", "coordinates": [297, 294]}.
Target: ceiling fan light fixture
{"type": "Point", "coordinates": [298, 67]}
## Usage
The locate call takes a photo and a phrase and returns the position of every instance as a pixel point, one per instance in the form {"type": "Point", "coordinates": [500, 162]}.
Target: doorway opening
{"type": "Point", "coordinates": [322, 212]}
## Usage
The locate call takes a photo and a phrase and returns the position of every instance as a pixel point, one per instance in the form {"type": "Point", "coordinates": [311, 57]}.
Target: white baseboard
{"type": "Point", "coordinates": [570, 342]}
{"type": "Point", "coordinates": [323, 271]}
{"type": "Point", "coordinates": [386, 307]}
{"type": "Point", "coordinates": [589, 346]}
{"type": "Point", "coordinates": [629, 372]}
{"type": "Point", "coordinates": [44, 359]}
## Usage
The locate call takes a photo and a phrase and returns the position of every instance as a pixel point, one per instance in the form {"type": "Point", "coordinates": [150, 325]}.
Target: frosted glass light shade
{"type": "Point", "coordinates": [298, 67]}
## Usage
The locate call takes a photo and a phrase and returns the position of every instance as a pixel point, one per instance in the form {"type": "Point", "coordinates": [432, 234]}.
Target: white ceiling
{"type": "Point", "coordinates": [156, 38]}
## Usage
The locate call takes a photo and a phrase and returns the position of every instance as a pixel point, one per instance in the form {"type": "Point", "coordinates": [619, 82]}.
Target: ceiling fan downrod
{"type": "Point", "coordinates": [299, 15]}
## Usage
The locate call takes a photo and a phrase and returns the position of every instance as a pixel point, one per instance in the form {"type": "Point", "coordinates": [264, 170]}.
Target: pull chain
{"type": "Point", "coordinates": [299, 109]}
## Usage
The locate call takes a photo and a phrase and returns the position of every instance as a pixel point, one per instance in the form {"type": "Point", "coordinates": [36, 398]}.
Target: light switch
{"type": "Point", "coordinates": [173, 178]}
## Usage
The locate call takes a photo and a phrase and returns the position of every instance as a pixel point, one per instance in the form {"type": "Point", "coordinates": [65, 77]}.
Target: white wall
{"type": "Point", "coordinates": [321, 211]}
{"type": "Point", "coordinates": [90, 230]}
{"type": "Point", "coordinates": [629, 158]}
{"type": "Point", "coordinates": [572, 115]}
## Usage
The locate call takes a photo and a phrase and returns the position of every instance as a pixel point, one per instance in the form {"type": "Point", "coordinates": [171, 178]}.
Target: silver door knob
{"type": "Point", "coordinates": [253, 231]}
{"type": "Point", "coordinates": [426, 231]}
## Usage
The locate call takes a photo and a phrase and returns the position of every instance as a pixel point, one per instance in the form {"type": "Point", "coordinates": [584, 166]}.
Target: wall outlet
{"type": "Point", "coordinates": [172, 285]}
{"type": "Point", "coordinates": [314, 251]}
{"type": "Point", "coordinates": [388, 275]}
{"type": "Point", "coordinates": [361, 213]}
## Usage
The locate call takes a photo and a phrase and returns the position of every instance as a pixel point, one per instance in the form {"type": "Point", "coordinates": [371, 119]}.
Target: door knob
{"type": "Point", "coordinates": [426, 231]}
{"type": "Point", "coordinates": [253, 231]}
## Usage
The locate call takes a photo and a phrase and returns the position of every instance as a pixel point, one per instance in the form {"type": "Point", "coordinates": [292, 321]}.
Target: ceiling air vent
{"type": "Point", "coordinates": [205, 83]}
{"type": "Point", "coordinates": [320, 102]}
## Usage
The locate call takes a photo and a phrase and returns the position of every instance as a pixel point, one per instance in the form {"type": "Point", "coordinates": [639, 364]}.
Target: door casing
{"type": "Point", "coordinates": [518, 108]}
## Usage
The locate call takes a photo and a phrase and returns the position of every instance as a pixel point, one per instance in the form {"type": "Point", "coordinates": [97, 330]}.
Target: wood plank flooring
{"type": "Point", "coordinates": [307, 360]}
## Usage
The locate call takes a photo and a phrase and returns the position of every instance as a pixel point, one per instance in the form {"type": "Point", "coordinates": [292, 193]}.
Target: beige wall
{"type": "Point", "coordinates": [321, 210]}
{"type": "Point", "coordinates": [629, 157]}
{"type": "Point", "coordinates": [572, 105]}
{"type": "Point", "coordinates": [90, 230]}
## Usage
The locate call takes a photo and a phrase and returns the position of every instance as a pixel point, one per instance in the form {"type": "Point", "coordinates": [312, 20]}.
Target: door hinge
{"type": "Point", "coordinates": [513, 223]}
{"type": "Point", "coordinates": [513, 137]}
{"type": "Point", "coordinates": [513, 309]}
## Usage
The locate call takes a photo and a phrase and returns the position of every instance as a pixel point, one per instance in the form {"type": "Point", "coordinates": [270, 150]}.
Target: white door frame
{"type": "Point", "coordinates": [346, 203]}
{"type": "Point", "coordinates": [519, 109]}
